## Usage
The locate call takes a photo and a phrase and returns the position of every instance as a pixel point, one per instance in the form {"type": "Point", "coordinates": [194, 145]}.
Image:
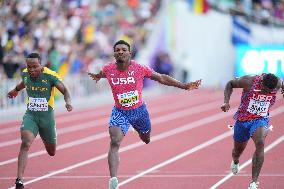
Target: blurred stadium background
{"type": "Point", "coordinates": [214, 40]}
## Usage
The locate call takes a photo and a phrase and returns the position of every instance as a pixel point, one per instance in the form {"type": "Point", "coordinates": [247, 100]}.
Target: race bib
{"type": "Point", "coordinates": [38, 104]}
{"type": "Point", "coordinates": [258, 107]}
{"type": "Point", "coordinates": [128, 99]}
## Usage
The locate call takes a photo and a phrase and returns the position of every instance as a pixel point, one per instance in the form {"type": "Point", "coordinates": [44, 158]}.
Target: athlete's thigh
{"type": "Point", "coordinates": [120, 120]}
{"type": "Point", "coordinates": [241, 132]}
{"type": "Point", "coordinates": [116, 135]}
{"type": "Point", "coordinates": [141, 121]}
{"type": "Point", "coordinates": [259, 134]}
{"type": "Point", "coordinates": [30, 124]}
{"type": "Point", "coordinates": [259, 128]}
{"type": "Point", "coordinates": [47, 128]}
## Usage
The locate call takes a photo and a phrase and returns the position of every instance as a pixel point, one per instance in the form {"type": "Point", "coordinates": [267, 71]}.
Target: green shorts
{"type": "Point", "coordinates": [42, 123]}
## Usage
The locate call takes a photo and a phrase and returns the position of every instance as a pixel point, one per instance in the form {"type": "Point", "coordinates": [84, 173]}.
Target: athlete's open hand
{"type": "Point", "coordinates": [95, 77]}
{"type": "Point", "coordinates": [193, 85]}
{"type": "Point", "coordinates": [225, 107]}
{"type": "Point", "coordinates": [68, 107]}
{"type": "Point", "coordinates": [12, 94]}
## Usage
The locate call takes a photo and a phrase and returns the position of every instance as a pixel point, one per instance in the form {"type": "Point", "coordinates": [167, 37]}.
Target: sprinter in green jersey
{"type": "Point", "coordinates": [40, 83]}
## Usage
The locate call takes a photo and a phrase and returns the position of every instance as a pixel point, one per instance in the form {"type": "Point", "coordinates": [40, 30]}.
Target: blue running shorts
{"type": "Point", "coordinates": [138, 118]}
{"type": "Point", "coordinates": [243, 130]}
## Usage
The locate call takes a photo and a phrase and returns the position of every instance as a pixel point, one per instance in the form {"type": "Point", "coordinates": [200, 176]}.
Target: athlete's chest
{"type": "Point", "coordinates": [129, 78]}
{"type": "Point", "coordinates": [258, 103]}
{"type": "Point", "coordinates": [39, 85]}
{"type": "Point", "coordinates": [261, 97]}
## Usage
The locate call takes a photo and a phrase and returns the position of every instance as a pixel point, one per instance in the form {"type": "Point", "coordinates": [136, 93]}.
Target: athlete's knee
{"type": "Point", "coordinates": [146, 140]}
{"type": "Point", "coordinates": [51, 152]}
{"type": "Point", "coordinates": [50, 149]}
{"type": "Point", "coordinates": [115, 141]}
{"type": "Point", "coordinates": [259, 145]}
{"type": "Point", "coordinates": [26, 144]}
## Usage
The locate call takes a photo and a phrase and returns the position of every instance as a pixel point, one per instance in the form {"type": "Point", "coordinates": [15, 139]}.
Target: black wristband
{"type": "Point", "coordinates": [17, 89]}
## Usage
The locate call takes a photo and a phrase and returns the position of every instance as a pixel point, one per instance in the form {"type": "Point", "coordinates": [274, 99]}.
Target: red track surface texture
{"type": "Point", "coordinates": [190, 149]}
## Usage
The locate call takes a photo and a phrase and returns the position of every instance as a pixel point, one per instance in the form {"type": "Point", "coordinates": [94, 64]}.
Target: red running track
{"type": "Point", "coordinates": [190, 148]}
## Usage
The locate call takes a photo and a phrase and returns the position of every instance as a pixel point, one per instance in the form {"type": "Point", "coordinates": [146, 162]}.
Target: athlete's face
{"type": "Point", "coordinates": [121, 53]}
{"type": "Point", "coordinates": [34, 67]}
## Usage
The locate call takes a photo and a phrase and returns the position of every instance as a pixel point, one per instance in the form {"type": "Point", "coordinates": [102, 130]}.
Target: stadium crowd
{"type": "Point", "coordinates": [72, 36]}
{"type": "Point", "coordinates": [267, 12]}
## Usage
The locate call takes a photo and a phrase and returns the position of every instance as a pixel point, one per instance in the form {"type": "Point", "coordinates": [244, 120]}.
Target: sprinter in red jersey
{"type": "Point", "coordinates": [252, 117]}
{"type": "Point", "coordinates": [126, 77]}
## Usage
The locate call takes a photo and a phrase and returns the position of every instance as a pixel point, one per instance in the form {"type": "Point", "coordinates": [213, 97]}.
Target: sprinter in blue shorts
{"type": "Point", "coordinates": [126, 77]}
{"type": "Point", "coordinates": [252, 117]}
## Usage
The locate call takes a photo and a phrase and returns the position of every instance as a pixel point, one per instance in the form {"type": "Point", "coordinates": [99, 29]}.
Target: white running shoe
{"type": "Point", "coordinates": [113, 183]}
{"type": "Point", "coordinates": [234, 168]}
{"type": "Point", "coordinates": [253, 185]}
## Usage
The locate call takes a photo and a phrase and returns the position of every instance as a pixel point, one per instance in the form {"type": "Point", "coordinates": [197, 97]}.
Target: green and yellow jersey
{"type": "Point", "coordinates": [41, 90]}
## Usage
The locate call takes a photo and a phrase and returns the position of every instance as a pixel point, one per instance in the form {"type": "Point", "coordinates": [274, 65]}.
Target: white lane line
{"type": "Point", "coordinates": [273, 113]}
{"type": "Point", "coordinates": [178, 157]}
{"type": "Point", "coordinates": [84, 115]}
{"type": "Point", "coordinates": [62, 120]}
{"type": "Point", "coordinates": [60, 147]}
{"type": "Point", "coordinates": [71, 177]}
{"type": "Point", "coordinates": [157, 120]}
{"type": "Point", "coordinates": [188, 111]}
{"type": "Point", "coordinates": [227, 177]}
{"type": "Point", "coordinates": [163, 135]}
{"type": "Point", "coordinates": [172, 132]}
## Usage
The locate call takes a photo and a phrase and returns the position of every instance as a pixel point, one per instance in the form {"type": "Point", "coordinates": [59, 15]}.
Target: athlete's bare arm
{"type": "Point", "coordinates": [13, 93]}
{"type": "Point", "coordinates": [280, 85]}
{"type": "Point", "coordinates": [244, 82]}
{"type": "Point", "coordinates": [61, 87]}
{"type": "Point", "coordinates": [167, 80]}
{"type": "Point", "coordinates": [97, 76]}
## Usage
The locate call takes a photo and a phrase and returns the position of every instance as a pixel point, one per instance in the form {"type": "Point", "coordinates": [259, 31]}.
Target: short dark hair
{"type": "Point", "coordinates": [270, 81]}
{"type": "Point", "coordinates": [34, 55]}
{"type": "Point", "coordinates": [121, 42]}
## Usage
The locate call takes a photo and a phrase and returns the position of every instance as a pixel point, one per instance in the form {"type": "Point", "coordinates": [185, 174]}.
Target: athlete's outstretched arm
{"type": "Point", "coordinates": [13, 93]}
{"type": "Point", "coordinates": [167, 80]}
{"type": "Point", "coordinates": [243, 82]}
{"type": "Point", "coordinates": [61, 87]}
{"type": "Point", "coordinates": [97, 76]}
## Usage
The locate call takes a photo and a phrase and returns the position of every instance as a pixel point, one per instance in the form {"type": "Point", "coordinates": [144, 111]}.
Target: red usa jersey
{"type": "Point", "coordinates": [254, 104]}
{"type": "Point", "coordinates": [127, 85]}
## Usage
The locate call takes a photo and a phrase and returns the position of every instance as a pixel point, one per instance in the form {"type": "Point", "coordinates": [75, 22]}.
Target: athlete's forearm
{"type": "Point", "coordinates": [20, 86]}
{"type": "Point", "coordinates": [169, 81]}
{"type": "Point", "coordinates": [67, 96]}
{"type": "Point", "coordinates": [63, 89]}
{"type": "Point", "coordinates": [228, 92]}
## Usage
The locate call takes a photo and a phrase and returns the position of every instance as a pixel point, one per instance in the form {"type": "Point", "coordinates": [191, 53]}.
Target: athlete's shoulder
{"type": "Point", "coordinates": [246, 78]}
{"type": "Point", "coordinates": [109, 66]}
{"type": "Point", "coordinates": [24, 73]}
{"type": "Point", "coordinates": [135, 63]}
{"type": "Point", "coordinates": [51, 73]}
